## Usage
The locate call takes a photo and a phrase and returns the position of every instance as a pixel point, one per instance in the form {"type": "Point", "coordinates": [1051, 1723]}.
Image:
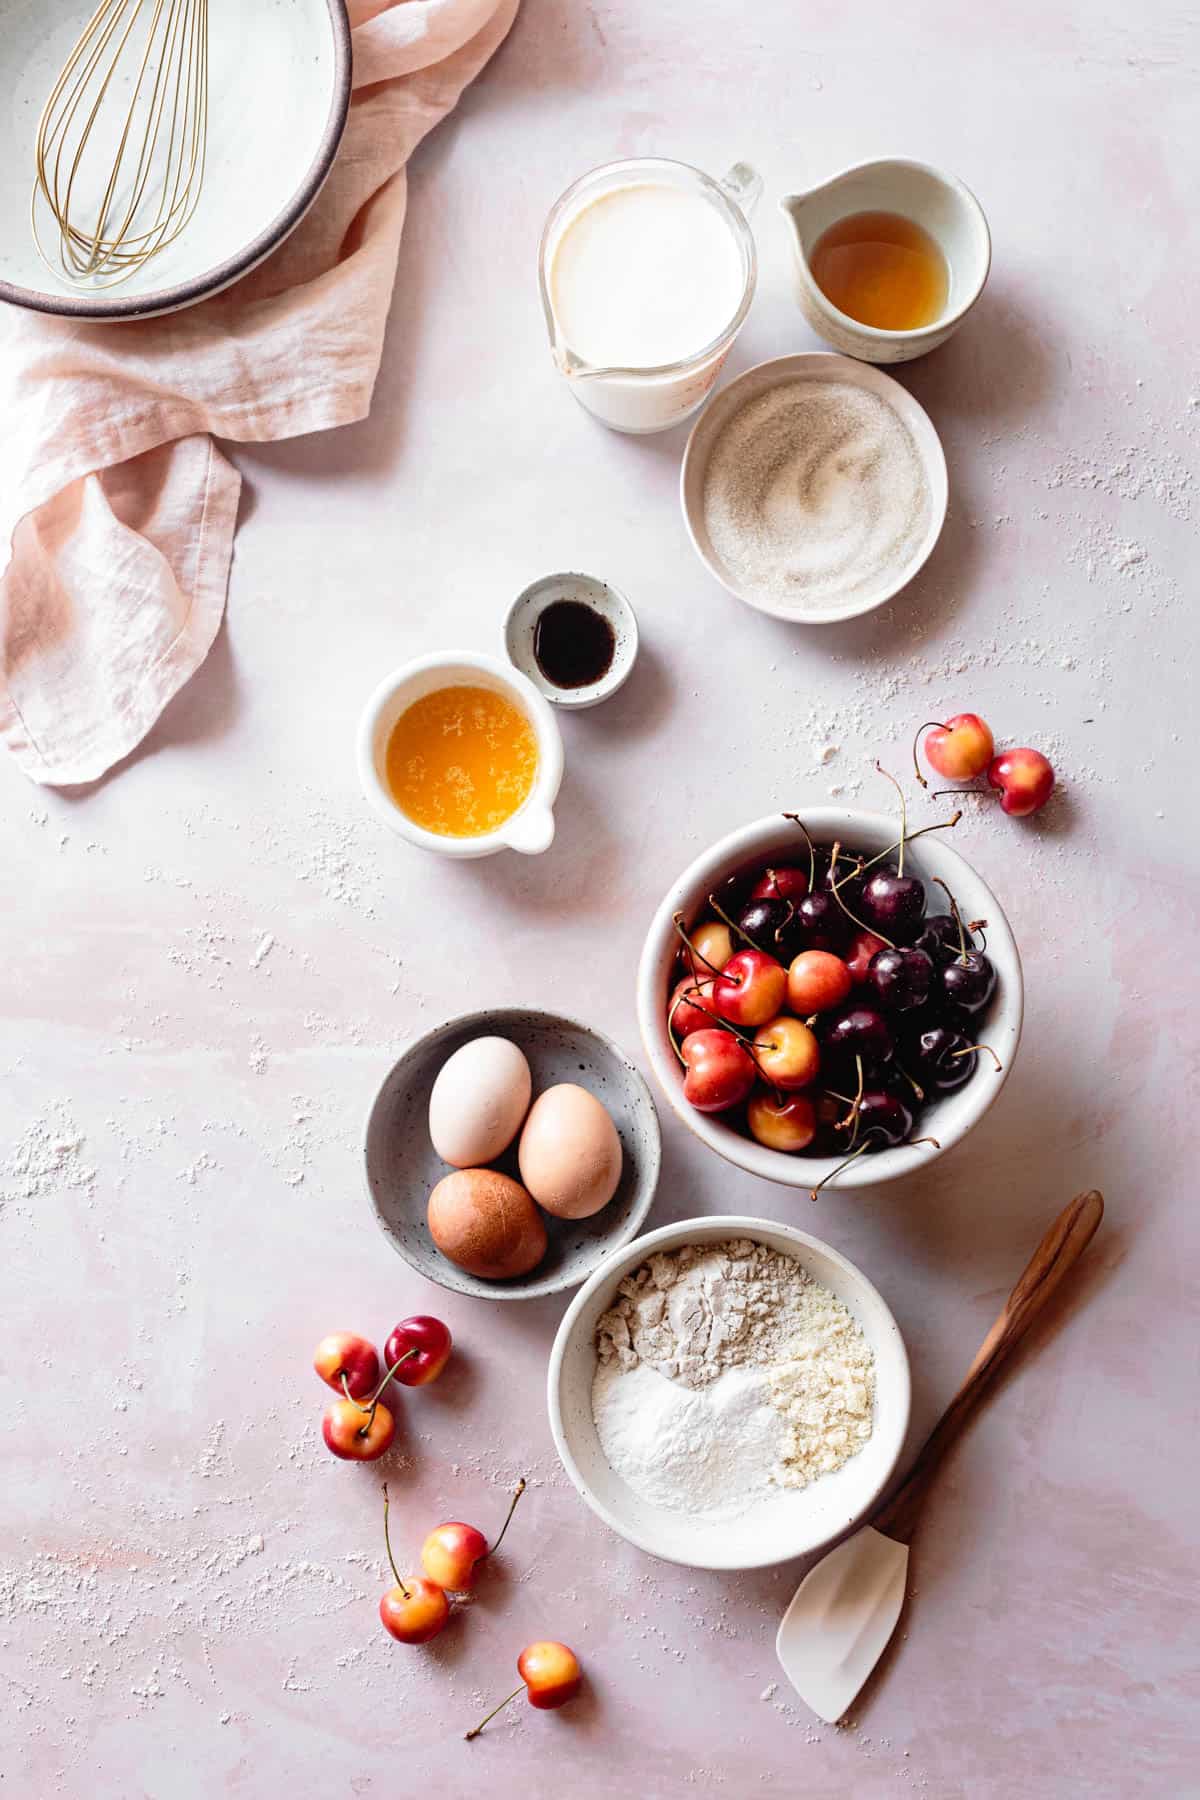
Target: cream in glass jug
{"type": "Point", "coordinates": [647, 271]}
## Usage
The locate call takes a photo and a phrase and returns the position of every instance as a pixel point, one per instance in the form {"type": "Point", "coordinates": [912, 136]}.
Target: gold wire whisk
{"type": "Point", "coordinates": [122, 139]}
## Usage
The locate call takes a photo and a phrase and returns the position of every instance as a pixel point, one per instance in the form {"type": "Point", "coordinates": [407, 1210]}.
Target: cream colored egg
{"type": "Point", "coordinates": [478, 1101]}
{"type": "Point", "coordinates": [570, 1154]}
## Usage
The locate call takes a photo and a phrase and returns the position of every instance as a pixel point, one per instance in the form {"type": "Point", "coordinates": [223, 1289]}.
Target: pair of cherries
{"type": "Point", "coordinates": [963, 748]}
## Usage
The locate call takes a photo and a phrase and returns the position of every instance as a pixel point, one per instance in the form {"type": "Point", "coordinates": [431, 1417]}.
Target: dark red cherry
{"type": "Point", "coordinates": [893, 904]}
{"type": "Point", "coordinates": [772, 926]}
{"type": "Point", "coordinates": [821, 922]}
{"type": "Point", "coordinates": [901, 979]}
{"type": "Point", "coordinates": [883, 1119]}
{"type": "Point", "coordinates": [969, 981]}
{"type": "Point", "coordinates": [781, 883]}
{"type": "Point", "coordinates": [938, 937]}
{"type": "Point", "coordinates": [939, 1057]}
{"type": "Point", "coordinates": [858, 1031]}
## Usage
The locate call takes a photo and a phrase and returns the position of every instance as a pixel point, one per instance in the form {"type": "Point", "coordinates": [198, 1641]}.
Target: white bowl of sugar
{"type": "Point", "coordinates": [739, 1401]}
{"type": "Point", "coordinates": [814, 487]}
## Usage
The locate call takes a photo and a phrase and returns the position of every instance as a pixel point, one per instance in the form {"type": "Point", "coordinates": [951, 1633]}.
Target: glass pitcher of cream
{"type": "Point", "coordinates": [647, 270]}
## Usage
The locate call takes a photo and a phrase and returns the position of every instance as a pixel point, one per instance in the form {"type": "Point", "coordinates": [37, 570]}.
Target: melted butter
{"type": "Point", "coordinates": [461, 761]}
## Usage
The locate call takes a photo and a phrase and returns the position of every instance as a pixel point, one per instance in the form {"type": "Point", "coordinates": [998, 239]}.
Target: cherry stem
{"type": "Point", "coordinates": [942, 825]}
{"type": "Point", "coordinates": [913, 1142]}
{"type": "Point", "coordinates": [835, 888]}
{"type": "Point", "coordinates": [929, 725]}
{"type": "Point", "coordinates": [677, 921]}
{"type": "Point", "coordinates": [851, 1121]}
{"type": "Point", "coordinates": [387, 1538]}
{"type": "Point", "coordinates": [916, 1087]}
{"type": "Point", "coordinates": [468, 1735]}
{"type": "Point", "coordinates": [812, 855]}
{"type": "Point", "coordinates": [957, 917]}
{"type": "Point", "coordinates": [940, 793]}
{"type": "Point", "coordinates": [968, 1049]}
{"type": "Point", "coordinates": [853, 1157]}
{"type": "Point", "coordinates": [903, 814]}
{"type": "Point", "coordinates": [507, 1521]}
{"type": "Point", "coordinates": [377, 1395]}
{"type": "Point", "coordinates": [737, 1031]}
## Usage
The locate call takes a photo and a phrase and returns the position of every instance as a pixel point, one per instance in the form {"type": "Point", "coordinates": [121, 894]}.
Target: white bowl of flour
{"type": "Point", "coordinates": [729, 1393]}
{"type": "Point", "coordinates": [814, 487]}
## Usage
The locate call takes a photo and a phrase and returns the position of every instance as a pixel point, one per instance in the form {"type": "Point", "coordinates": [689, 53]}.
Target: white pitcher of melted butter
{"type": "Point", "coordinates": [647, 270]}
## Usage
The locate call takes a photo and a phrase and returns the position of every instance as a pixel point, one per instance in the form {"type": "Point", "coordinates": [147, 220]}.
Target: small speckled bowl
{"type": "Point", "coordinates": [402, 1165]}
{"type": "Point", "coordinates": [792, 1522]}
{"type": "Point", "coordinates": [609, 602]}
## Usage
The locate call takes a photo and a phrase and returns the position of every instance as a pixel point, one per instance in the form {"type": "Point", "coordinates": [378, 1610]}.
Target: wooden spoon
{"type": "Point", "coordinates": [846, 1608]}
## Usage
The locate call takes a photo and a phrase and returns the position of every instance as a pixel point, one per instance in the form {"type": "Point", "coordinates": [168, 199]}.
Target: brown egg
{"type": "Point", "coordinates": [487, 1224]}
{"type": "Point", "coordinates": [570, 1154]}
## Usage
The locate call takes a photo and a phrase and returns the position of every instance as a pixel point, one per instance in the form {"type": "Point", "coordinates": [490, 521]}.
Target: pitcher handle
{"type": "Point", "coordinates": [744, 186]}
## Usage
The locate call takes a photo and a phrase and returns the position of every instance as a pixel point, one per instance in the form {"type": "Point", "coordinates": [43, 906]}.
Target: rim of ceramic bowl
{"type": "Point", "coordinates": [945, 321]}
{"type": "Point", "coordinates": [908, 408]}
{"type": "Point", "coordinates": [621, 667]}
{"type": "Point", "coordinates": [735, 850]}
{"type": "Point", "coordinates": [490, 1020]}
{"type": "Point", "coordinates": [718, 1226]}
{"type": "Point", "coordinates": [96, 310]}
{"type": "Point", "coordinates": [739, 224]}
{"type": "Point", "coordinates": [547, 781]}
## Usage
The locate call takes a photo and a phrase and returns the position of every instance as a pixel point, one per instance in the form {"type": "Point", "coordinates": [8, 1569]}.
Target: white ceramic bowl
{"type": "Point", "coordinates": [774, 838]}
{"type": "Point", "coordinates": [813, 365]}
{"type": "Point", "coordinates": [942, 204]}
{"type": "Point", "coordinates": [278, 96]}
{"type": "Point", "coordinates": [520, 628]}
{"type": "Point", "coordinates": [531, 828]}
{"type": "Point", "coordinates": [792, 1523]}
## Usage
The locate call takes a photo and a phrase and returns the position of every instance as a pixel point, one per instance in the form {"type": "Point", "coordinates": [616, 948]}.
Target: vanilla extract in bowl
{"type": "Point", "coordinates": [573, 645]}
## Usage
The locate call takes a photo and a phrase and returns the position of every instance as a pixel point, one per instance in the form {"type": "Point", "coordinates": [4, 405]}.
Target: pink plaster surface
{"type": "Point", "coordinates": [211, 960]}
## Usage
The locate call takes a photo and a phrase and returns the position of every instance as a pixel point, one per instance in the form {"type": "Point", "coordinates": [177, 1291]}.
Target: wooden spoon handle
{"type": "Point", "coordinates": [1051, 1262]}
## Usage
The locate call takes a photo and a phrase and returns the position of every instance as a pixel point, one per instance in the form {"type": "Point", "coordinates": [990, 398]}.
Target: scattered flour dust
{"type": "Point", "coordinates": [725, 1370]}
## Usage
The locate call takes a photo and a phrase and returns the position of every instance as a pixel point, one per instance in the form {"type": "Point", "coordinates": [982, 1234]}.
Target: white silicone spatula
{"type": "Point", "coordinates": [845, 1610]}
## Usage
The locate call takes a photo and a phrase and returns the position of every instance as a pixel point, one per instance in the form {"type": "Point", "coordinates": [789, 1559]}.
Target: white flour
{"type": "Point", "coordinates": [813, 491]}
{"type": "Point", "coordinates": [724, 1370]}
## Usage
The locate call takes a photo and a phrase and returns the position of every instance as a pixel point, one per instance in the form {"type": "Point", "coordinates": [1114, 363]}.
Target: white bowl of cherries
{"type": "Point", "coordinates": [827, 1001]}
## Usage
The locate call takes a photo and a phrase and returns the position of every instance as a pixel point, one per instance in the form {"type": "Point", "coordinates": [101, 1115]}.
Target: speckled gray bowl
{"type": "Point", "coordinates": [520, 628]}
{"type": "Point", "coordinates": [402, 1165]}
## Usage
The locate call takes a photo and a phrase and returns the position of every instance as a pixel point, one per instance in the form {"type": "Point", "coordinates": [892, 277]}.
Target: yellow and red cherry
{"type": "Point", "coordinates": [418, 1350]}
{"type": "Point", "coordinates": [817, 980]}
{"type": "Point", "coordinates": [781, 884]}
{"type": "Point", "coordinates": [691, 1006]}
{"type": "Point", "coordinates": [357, 1433]}
{"type": "Point", "coordinates": [787, 1122]}
{"type": "Point", "coordinates": [348, 1364]}
{"type": "Point", "coordinates": [415, 1610]}
{"type": "Point", "coordinates": [750, 989]}
{"type": "Point", "coordinates": [708, 949]}
{"type": "Point", "coordinates": [550, 1674]}
{"type": "Point", "coordinates": [960, 749]}
{"type": "Point", "coordinates": [863, 946]}
{"type": "Point", "coordinates": [450, 1553]}
{"type": "Point", "coordinates": [1025, 779]}
{"type": "Point", "coordinates": [720, 1070]}
{"type": "Point", "coordinates": [787, 1053]}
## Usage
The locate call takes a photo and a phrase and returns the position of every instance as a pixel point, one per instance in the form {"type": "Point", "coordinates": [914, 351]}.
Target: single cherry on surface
{"type": "Point", "coordinates": [357, 1433]}
{"type": "Point", "coordinates": [1025, 779]}
{"type": "Point", "coordinates": [787, 1122]}
{"type": "Point", "coordinates": [450, 1553]}
{"type": "Point", "coordinates": [348, 1364]}
{"type": "Point", "coordinates": [787, 1053]}
{"type": "Point", "coordinates": [817, 981]}
{"type": "Point", "coordinates": [551, 1675]}
{"type": "Point", "coordinates": [750, 989]}
{"type": "Point", "coordinates": [418, 1350]}
{"type": "Point", "coordinates": [960, 749]}
{"type": "Point", "coordinates": [720, 1070]}
{"type": "Point", "coordinates": [415, 1610]}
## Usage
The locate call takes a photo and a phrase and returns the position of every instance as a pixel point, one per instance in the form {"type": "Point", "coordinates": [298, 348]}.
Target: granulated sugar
{"type": "Point", "coordinates": [815, 493]}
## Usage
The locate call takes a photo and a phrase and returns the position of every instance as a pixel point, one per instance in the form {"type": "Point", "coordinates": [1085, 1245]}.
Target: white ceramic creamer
{"type": "Point", "coordinates": [647, 271]}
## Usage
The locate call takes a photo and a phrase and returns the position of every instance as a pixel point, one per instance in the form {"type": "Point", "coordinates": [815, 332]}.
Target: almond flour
{"type": "Point", "coordinates": [725, 1369]}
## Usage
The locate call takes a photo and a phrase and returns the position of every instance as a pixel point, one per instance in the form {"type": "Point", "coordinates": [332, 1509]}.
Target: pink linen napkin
{"type": "Point", "coordinates": [117, 510]}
